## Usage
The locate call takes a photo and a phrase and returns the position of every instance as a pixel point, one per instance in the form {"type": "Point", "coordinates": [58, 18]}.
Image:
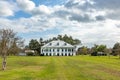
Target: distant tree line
{"type": "Point", "coordinates": [98, 50]}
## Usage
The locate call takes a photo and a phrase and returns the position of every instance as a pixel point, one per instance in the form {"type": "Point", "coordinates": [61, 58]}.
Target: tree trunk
{"type": "Point", "coordinates": [4, 63]}
{"type": "Point", "coordinates": [119, 55]}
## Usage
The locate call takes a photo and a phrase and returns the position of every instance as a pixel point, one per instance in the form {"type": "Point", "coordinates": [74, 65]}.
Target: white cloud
{"type": "Point", "coordinates": [7, 8]}
{"type": "Point", "coordinates": [26, 5]}
{"type": "Point", "coordinates": [26, 25]}
{"type": "Point", "coordinates": [104, 32]}
{"type": "Point", "coordinates": [41, 9]}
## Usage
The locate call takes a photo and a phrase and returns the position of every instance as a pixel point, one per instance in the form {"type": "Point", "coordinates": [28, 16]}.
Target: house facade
{"type": "Point", "coordinates": [58, 48]}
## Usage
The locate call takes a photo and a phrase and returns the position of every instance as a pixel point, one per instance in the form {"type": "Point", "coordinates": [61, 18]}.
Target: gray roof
{"type": "Point", "coordinates": [57, 43]}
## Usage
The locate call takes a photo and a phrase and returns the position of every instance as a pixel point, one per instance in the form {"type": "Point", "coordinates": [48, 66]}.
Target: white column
{"type": "Point", "coordinates": [51, 53]}
{"type": "Point", "coordinates": [57, 51]}
{"type": "Point", "coordinates": [67, 54]}
{"type": "Point", "coordinates": [71, 53]}
{"type": "Point", "coordinates": [45, 54]}
{"type": "Point", "coordinates": [74, 53]}
{"type": "Point", "coordinates": [64, 51]}
{"type": "Point", "coordinates": [60, 53]}
{"type": "Point", "coordinates": [41, 50]}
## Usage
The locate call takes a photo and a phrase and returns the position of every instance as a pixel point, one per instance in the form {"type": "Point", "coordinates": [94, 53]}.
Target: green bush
{"type": "Point", "coordinates": [30, 54]}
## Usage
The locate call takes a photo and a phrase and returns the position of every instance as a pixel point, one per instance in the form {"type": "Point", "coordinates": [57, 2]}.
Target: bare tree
{"type": "Point", "coordinates": [8, 38]}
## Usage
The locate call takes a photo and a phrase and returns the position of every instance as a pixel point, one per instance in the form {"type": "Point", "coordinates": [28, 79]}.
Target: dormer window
{"type": "Point", "coordinates": [65, 44]}
{"type": "Point", "coordinates": [57, 44]}
{"type": "Point", "coordinates": [50, 44]}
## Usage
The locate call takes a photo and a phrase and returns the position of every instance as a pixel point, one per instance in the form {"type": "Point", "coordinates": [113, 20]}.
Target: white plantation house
{"type": "Point", "coordinates": [58, 48]}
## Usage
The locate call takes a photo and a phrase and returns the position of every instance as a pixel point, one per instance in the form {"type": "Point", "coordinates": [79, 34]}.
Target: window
{"type": "Point", "coordinates": [65, 50]}
{"type": "Point", "coordinates": [65, 44]}
{"type": "Point", "coordinates": [69, 54]}
{"type": "Point", "coordinates": [46, 54]}
{"type": "Point", "coordinates": [57, 54]}
{"type": "Point", "coordinates": [50, 50]}
{"type": "Point", "coordinates": [46, 50]}
{"type": "Point", "coordinates": [62, 50]}
{"type": "Point", "coordinates": [72, 50]}
{"type": "Point", "coordinates": [57, 44]}
{"type": "Point", "coordinates": [53, 50]}
{"type": "Point", "coordinates": [65, 54]}
{"type": "Point", "coordinates": [50, 44]}
{"type": "Point", "coordinates": [57, 50]}
{"type": "Point", "coordinates": [69, 50]}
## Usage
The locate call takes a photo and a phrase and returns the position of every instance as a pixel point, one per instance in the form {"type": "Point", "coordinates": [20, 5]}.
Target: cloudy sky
{"type": "Point", "coordinates": [91, 21]}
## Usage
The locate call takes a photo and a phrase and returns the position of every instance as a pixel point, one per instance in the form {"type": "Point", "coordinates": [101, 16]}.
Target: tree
{"type": "Point", "coordinates": [26, 47]}
{"type": "Point", "coordinates": [98, 48]}
{"type": "Point", "coordinates": [94, 49]}
{"type": "Point", "coordinates": [82, 50]}
{"type": "Point", "coordinates": [14, 49]}
{"type": "Point", "coordinates": [76, 41]}
{"type": "Point", "coordinates": [34, 45]}
{"type": "Point", "coordinates": [108, 51]}
{"type": "Point", "coordinates": [41, 42]}
{"type": "Point", "coordinates": [101, 48]}
{"type": "Point", "coordinates": [65, 38]}
{"type": "Point", "coordinates": [59, 37]}
{"type": "Point", "coordinates": [116, 49]}
{"type": "Point", "coordinates": [8, 39]}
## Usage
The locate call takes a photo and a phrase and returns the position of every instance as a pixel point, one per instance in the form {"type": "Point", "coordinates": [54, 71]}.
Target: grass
{"type": "Point", "coordinates": [61, 68]}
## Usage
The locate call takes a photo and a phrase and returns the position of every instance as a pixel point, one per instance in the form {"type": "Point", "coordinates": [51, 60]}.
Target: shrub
{"type": "Point", "coordinates": [30, 54]}
{"type": "Point", "coordinates": [94, 54]}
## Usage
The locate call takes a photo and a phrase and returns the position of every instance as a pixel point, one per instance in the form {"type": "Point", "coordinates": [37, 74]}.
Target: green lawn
{"type": "Point", "coordinates": [61, 68]}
